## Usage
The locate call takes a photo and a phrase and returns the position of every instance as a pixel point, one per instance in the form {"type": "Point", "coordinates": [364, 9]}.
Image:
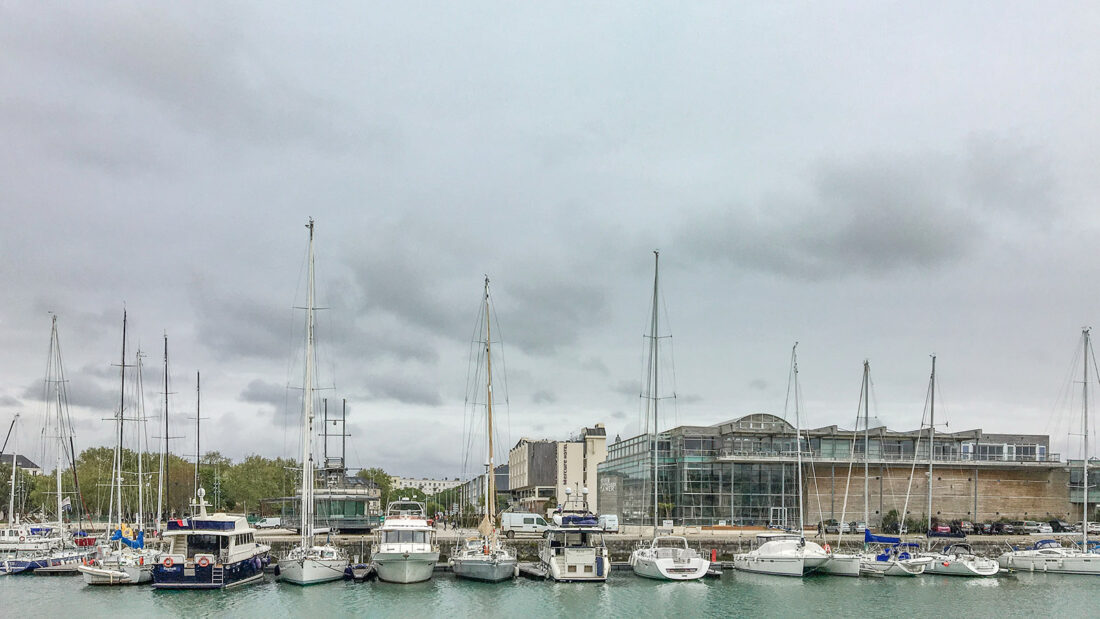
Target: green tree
{"type": "Point", "coordinates": [384, 481]}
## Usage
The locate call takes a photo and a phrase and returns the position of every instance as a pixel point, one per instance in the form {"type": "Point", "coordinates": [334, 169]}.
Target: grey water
{"type": "Point", "coordinates": [624, 595]}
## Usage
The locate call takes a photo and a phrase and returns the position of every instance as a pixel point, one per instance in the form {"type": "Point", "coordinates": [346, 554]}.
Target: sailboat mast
{"type": "Point", "coordinates": [141, 433]}
{"type": "Point", "coordinates": [198, 429]}
{"type": "Point", "coordinates": [931, 435]}
{"type": "Point", "coordinates": [162, 487]}
{"type": "Point", "coordinates": [118, 423]}
{"type": "Point", "coordinates": [798, 437]}
{"type": "Point", "coordinates": [866, 441]}
{"type": "Point", "coordinates": [11, 494]}
{"type": "Point", "coordinates": [307, 411]}
{"type": "Point", "coordinates": [654, 344]}
{"type": "Point", "coordinates": [1085, 456]}
{"type": "Point", "coordinates": [53, 374]}
{"type": "Point", "coordinates": [490, 485]}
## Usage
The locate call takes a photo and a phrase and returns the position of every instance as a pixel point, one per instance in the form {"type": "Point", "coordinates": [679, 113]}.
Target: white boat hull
{"type": "Point", "coordinates": [893, 567]}
{"type": "Point", "coordinates": [954, 566]}
{"type": "Point", "coordinates": [668, 568]}
{"type": "Point", "coordinates": [776, 566]}
{"type": "Point", "coordinates": [310, 571]}
{"type": "Point", "coordinates": [406, 567]}
{"type": "Point", "coordinates": [484, 569]}
{"type": "Point", "coordinates": [841, 565]}
{"type": "Point", "coordinates": [1088, 564]}
{"type": "Point", "coordinates": [571, 571]}
{"type": "Point", "coordinates": [116, 575]}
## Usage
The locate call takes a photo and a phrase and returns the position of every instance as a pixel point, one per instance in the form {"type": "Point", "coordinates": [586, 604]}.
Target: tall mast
{"type": "Point", "coordinates": [866, 441]}
{"type": "Point", "coordinates": [162, 487]}
{"type": "Point", "coordinates": [1085, 456]}
{"type": "Point", "coordinates": [11, 493]}
{"type": "Point", "coordinates": [654, 344]}
{"type": "Point", "coordinates": [141, 433]}
{"type": "Point", "coordinates": [198, 429]}
{"type": "Point", "coordinates": [118, 423]}
{"type": "Point", "coordinates": [307, 411]}
{"type": "Point", "coordinates": [490, 485]}
{"type": "Point", "coordinates": [931, 435]}
{"type": "Point", "coordinates": [798, 437]}
{"type": "Point", "coordinates": [54, 384]}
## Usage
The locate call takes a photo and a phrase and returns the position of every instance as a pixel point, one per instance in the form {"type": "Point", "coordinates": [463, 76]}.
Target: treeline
{"type": "Point", "coordinates": [231, 486]}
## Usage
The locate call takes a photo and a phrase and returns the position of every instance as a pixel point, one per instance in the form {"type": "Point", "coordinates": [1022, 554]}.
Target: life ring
{"type": "Point", "coordinates": [168, 562]}
{"type": "Point", "coordinates": [827, 547]}
{"type": "Point", "coordinates": [203, 562]}
{"type": "Point", "coordinates": [22, 538]}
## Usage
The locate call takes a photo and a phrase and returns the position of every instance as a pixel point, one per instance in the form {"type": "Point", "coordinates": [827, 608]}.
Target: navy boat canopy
{"type": "Point", "coordinates": [871, 538]}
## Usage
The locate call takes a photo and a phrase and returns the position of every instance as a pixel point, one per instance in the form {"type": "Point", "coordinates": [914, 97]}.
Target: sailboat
{"type": "Point", "coordinates": [308, 563]}
{"type": "Point", "coordinates": [667, 557]}
{"type": "Point", "coordinates": [786, 554]}
{"type": "Point", "coordinates": [485, 557]}
{"type": "Point", "coordinates": [18, 545]}
{"type": "Point", "coordinates": [956, 559]}
{"type": "Point", "coordinates": [1049, 555]}
{"type": "Point", "coordinates": [883, 555]}
{"type": "Point", "coordinates": [68, 551]}
{"type": "Point", "coordinates": [128, 561]}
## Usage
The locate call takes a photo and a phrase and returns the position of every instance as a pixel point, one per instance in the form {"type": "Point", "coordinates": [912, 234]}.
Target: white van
{"type": "Point", "coordinates": [518, 522]}
{"type": "Point", "coordinates": [609, 523]}
{"type": "Point", "coordinates": [269, 523]}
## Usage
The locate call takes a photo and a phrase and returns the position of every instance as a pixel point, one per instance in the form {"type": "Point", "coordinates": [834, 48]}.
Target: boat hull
{"type": "Point", "coordinates": [1083, 564]}
{"type": "Point", "coordinates": [596, 571]}
{"type": "Point", "coordinates": [668, 568]}
{"type": "Point", "coordinates": [484, 569]}
{"type": "Point", "coordinates": [117, 575]}
{"type": "Point", "coordinates": [841, 565]}
{"type": "Point", "coordinates": [405, 568]}
{"type": "Point", "coordinates": [239, 573]}
{"type": "Point", "coordinates": [775, 566]}
{"type": "Point", "coordinates": [952, 566]}
{"type": "Point", "coordinates": [311, 571]}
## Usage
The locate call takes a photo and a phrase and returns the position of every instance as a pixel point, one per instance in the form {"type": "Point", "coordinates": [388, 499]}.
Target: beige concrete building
{"type": "Point", "coordinates": [424, 484]}
{"type": "Point", "coordinates": [540, 470]}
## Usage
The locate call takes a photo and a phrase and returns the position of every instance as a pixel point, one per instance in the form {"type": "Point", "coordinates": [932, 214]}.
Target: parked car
{"type": "Point", "coordinates": [832, 526]}
{"type": "Point", "coordinates": [1060, 526]}
{"type": "Point", "coordinates": [1094, 527]}
{"type": "Point", "coordinates": [269, 523]}
{"type": "Point", "coordinates": [520, 522]}
{"type": "Point", "coordinates": [940, 529]}
{"type": "Point", "coordinates": [859, 526]}
{"type": "Point", "coordinates": [1004, 528]}
{"type": "Point", "coordinates": [609, 523]}
{"type": "Point", "coordinates": [966, 527]}
{"type": "Point", "coordinates": [1028, 526]}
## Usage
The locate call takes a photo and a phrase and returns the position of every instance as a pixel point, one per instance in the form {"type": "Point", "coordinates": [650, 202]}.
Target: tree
{"type": "Point", "coordinates": [382, 479]}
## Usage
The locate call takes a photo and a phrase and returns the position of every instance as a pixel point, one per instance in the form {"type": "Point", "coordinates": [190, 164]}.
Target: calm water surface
{"type": "Point", "coordinates": [736, 594]}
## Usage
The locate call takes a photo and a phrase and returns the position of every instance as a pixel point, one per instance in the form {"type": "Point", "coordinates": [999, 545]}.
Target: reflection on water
{"type": "Point", "coordinates": [624, 595]}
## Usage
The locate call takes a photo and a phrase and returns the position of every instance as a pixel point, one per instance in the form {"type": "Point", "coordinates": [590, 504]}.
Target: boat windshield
{"type": "Point", "coordinates": [575, 539]}
{"type": "Point", "coordinates": [205, 544]}
{"type": "Point", "coordinates": [405, 508]}
{"type": "Point", "coordinates": [404, 537]}
{"type": "Point", "coordinates": [670, 542]}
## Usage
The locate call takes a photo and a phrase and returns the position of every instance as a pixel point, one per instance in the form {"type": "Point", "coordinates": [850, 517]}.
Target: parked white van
{"type": "Point", "coordinates": [269, 523]}
{"type": "Point", "coordinates": [609, 523]}
{"type": "Point", "coordinates": [519, 522]}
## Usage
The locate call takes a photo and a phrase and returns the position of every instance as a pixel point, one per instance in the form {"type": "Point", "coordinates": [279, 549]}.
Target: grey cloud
{"type": "Point", "coordinates": [877, 215]}
{"type": "Point", "coordinates": [83, 390]}
{"type": "Point", "coordinates": [758, 384]}
{"type": "Point", "coordinates": [402, 388]}
{"type": "Point", "coordinates": [627, 387]}
{"type": "Point", "coordinates": [262, 392]}
{"type": "Point", "coordinates": [236, 325]}
{"type": "Point", "coordinates": [551, 314]}
{"type": "Point", "coordinates": [618, 415]}
{"type": "Point", "coordinates": [7, 400]}
{"type": "Point", "coordinates": [595, 365]}
{"type": "Point", "coordinates": [544, 397]}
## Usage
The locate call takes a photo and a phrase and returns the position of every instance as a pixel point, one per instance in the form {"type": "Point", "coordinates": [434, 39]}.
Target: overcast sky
{"type": "Point", "coordinates": [874, 180]}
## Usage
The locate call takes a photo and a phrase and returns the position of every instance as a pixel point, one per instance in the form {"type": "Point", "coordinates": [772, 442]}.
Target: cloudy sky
{"type": "Point", "coordinates": [874, 180]}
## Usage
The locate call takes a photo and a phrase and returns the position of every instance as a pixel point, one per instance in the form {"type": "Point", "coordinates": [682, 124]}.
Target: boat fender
{"type": "Point", "coordinates": [277, 570]}
{"type": "Point", "coordinates": [827, 548]}
{"type": "Point", "coordinates": [714, 555]}
{"type": "Point", "coordinates": [168, 562]}
{"type": "Point", "coordinates": [141, 560]}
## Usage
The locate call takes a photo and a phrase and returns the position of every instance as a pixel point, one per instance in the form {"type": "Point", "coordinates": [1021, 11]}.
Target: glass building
{"type": "Point", "coordinates": [743, 472]}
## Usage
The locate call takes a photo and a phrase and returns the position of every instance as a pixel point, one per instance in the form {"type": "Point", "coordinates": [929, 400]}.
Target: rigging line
{"type": "Point", "coordinates": [851, 463]}
{"type": "Point", "coordinates": [504, 372]}
{"type": "Point", "coordinates": [916, 455]}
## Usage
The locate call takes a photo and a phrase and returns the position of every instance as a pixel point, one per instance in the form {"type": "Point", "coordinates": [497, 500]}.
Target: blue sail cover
{"type": "Point", "coordinates": [871, 538]}
{"type": "Point", "coordinates": [117, 536]}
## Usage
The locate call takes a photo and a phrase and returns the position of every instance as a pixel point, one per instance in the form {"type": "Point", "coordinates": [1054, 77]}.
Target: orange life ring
{"type": "Point", "coordinates": [22, 538]}
{"type": "Point", "coordinates": [168, 562]}
{"type": "Point", "coordinates": [203, 562]}
{"type": "Point", "coordinates": [827, 547]}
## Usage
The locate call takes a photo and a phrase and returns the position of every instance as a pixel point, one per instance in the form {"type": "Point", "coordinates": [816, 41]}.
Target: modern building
{"type": "Point", "coordinates": [541, 470]}
{"type": "Point", "coordinates": [472, 492]}
{"type": "Point", "coordinates": [350, 504]}
{"type": "Point", "coordinates": [23, 462]}
{"type": "Point", "coordinates": [425, 485]}
{"type": "Point", "coordinates": [744, 472]}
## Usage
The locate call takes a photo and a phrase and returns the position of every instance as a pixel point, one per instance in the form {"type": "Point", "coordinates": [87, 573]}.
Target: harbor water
{"type": "Point", "coordinates": [624, 595]}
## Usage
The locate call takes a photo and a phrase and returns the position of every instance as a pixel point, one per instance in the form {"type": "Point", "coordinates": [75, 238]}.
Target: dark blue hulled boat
{"type": "Point", "coordinates": [210, 551]}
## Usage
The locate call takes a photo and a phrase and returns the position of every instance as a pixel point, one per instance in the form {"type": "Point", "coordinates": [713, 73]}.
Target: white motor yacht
{"type": "Point", "coordinates": [669, 558]}
{"type": "Point", "coordinates": [575, 553]}
{"type": "Point", "coordinates": [405, 550]}
{"type": "Point", "coordinates": [893, 557]}
{"type": "Point", "coordinates": [1049, 555]}
{"type": "Point", "coordinates": [782, 554]}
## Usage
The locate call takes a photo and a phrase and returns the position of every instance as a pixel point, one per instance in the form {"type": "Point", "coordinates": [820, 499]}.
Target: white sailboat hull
{"type": "Point", "coordinates": [776, 566]}
{"type": "Point", "coordinates": [485, 568]}
{"type": "Point", "coordinates": [117, 575]}
{"type": "Point", "coordinates": [309, 571]}
{"type": "Point", "coordinates": [841, 565]}
{"type": "Point", "coordinates": [894, 567]}
{"type": "Point", "coordinates": [947, 565]}
{"type": "Point", "coordinates": [668, 568]}
{"type": "Point", "coordinates": [404, 568]}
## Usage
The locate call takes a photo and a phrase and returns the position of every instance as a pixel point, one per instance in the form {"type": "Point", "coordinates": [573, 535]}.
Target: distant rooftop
{"type": "Point", "coordinates": [22, 460]}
